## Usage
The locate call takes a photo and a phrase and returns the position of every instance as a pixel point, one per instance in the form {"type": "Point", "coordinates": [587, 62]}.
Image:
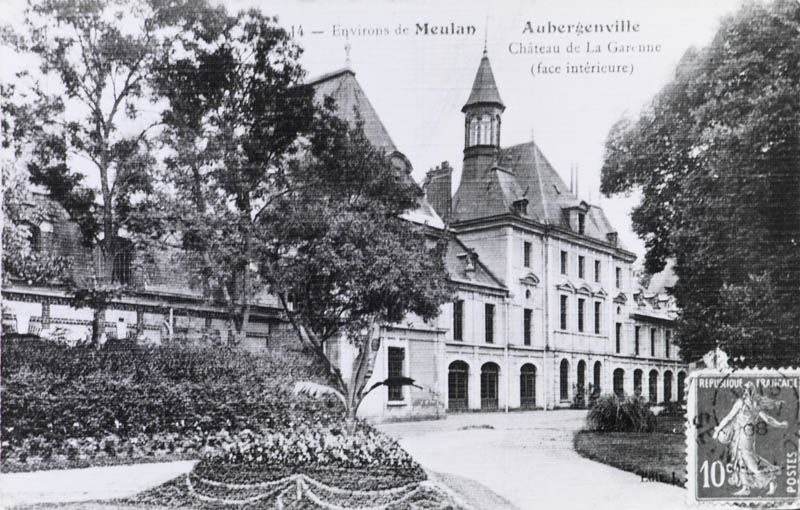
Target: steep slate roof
{"type": "Point", "coordinates": [491, 195]}
{"type": "Point", "coordinates": [484, 88]}
{"type": "Point", "coordinates": [456, 264]}
{"type": "Point", "coordinates": [343, 87]}
{"type": "Point", "coordinates": [351, 100]}
{"type": "Point", "coordinates": [525, 173]}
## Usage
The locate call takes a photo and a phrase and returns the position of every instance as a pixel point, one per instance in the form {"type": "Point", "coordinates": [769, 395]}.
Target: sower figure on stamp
{"type": "Point", "coordinates": [739, 430]}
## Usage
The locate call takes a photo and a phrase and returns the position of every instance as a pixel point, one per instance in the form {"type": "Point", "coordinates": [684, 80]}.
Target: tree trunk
{"type": "Point", "coordinates": [362, 371]}
{"type": "Point", "coordinates": [237, 324]}
{"type": "Point", "coordinates": [98, 325]}
{"type": "Point", "coordinates": [350, 419]}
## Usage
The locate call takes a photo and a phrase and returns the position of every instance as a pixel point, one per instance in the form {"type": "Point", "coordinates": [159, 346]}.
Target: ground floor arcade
{"type": "Point", "coordinates": [517, 379]}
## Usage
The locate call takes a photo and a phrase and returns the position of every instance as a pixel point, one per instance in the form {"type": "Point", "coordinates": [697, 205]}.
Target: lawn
{"type": "Point", "coordinates": [657, 456]}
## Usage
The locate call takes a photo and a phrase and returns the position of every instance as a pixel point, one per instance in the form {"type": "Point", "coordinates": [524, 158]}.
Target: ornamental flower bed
{"type": "Point", "coordinates": [312, 447]}
{"type": "Point", "coordinates": [306, 467]}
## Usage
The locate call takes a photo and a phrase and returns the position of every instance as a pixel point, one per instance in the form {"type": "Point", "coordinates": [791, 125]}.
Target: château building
{"type": "Point", "coordinates": [548, 311]}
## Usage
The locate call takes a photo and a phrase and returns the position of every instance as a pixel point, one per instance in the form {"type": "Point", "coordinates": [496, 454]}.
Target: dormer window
{"type": "Point", "coordinates": [520, 207]}
{"type": "Point", "coordinates": [575, 218]}
{"type": "Point", "coordinates": [470, 260]}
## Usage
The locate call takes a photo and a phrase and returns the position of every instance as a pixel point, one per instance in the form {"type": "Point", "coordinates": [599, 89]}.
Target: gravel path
{"type": "Point", "coordinates": [528, 459]}
{"type": "Point", "coordinates": [94, 483]}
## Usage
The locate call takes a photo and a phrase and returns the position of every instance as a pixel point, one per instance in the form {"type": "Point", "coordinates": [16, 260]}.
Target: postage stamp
{"type": "Point", "coordinates": [743, 437]}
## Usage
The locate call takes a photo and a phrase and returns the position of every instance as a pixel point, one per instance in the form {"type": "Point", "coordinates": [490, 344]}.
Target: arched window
{"type": "Point", "coordinates": [637, 382]}
{"type": "Point", "coordinates": [489, 385]}
{"type": "Point", "coordinates": [653, 386]}
{"type": "Point", "coordinates": [33, 235]}
{"type": "Point", "coordinates": [597, 386]}
{"type": "Point", "coordinates": [458, 386]}
{"type": "Point", "coordinates": [473, 131]}
{"type": "Point", "coordinates": [485, 130]}
{"type": "Point", "coordinates": [681, 386]}
{"type": "Point", "coordinates": [527, 386]}
{"type": "Point", "coordinates": [564, 379]}
{"type": "Point", "coordinates": [667, 386]}
{"type": "Point", "coordinates": [619, 382]}
{"type": "Point", "coordinates": [122, 270]}
{"type": "Point", "coordinates": [581, 378]}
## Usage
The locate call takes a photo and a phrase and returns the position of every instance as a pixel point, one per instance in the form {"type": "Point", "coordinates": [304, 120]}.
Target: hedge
{"type": "Point", "coordinates": [62, 404]}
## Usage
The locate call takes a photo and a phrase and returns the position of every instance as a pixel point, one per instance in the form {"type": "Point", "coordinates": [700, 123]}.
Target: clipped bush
{"type": "Point", "coordinates": [611, 413]}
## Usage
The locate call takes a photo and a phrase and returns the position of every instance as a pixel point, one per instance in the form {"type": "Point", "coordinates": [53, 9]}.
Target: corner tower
{"type": "Point", "coordinates": [482, 113]}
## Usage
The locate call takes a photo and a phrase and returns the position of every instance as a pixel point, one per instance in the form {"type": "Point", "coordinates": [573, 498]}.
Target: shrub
{"type": "Point", "coordinates": [673, 409]}
{"type": "Point", "coordinates": [614, 414]}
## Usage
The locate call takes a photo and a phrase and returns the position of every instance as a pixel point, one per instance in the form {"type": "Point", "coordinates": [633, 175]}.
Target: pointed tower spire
{"type": "Point", "coordinates": [484, 88]}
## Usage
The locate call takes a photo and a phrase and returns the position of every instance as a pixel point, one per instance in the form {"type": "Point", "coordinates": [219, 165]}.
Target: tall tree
{"type": "Point", "coordinates": [236, 113]}
{"type": "Point", "coordinates": [343, 262]}
{"type": "Point", "coordinates": [717, 158]}
{"type": "Point", "coordinates": [82, 119]}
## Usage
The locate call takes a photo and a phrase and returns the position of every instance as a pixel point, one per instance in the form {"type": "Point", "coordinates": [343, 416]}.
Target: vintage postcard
{"type": "Point", "coordinates": [340, 254]}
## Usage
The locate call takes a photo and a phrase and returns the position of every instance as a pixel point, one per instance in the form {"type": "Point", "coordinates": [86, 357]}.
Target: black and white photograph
{"type": "Point", "coordinates": [400, 254]}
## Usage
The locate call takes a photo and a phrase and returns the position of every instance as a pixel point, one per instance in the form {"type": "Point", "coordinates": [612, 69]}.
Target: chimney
{"type": "Point", "coordinates": [437, 188]}
{"type": "Point", "coordinates": [571, 178]}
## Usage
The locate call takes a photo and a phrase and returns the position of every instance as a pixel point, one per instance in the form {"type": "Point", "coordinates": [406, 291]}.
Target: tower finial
{"type": "Point", "coordinates": [347, 48]}
{"type": "Point", "coordinates": [486, 36]}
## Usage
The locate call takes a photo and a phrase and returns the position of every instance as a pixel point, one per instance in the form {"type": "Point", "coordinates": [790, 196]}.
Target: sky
{"type": "Point", "coordinates": [418, 82]}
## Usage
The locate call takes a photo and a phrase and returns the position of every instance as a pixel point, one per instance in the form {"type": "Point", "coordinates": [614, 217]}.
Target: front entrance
{"type": "Point", "coordinates": [527, 386]}
{"type": "Point", "coordinates": [489, 386]}
{"type": "Point", "coordinates": [458, 386]}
